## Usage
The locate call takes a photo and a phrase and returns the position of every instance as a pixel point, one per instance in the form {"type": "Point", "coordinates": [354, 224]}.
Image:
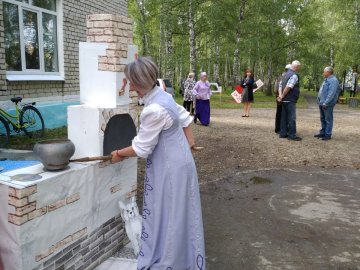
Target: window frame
{"type": "Point", "coordinates": [41, 74]}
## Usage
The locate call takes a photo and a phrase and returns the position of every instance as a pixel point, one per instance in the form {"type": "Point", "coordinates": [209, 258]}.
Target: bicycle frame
{"type": "Point", "coordinates": [9, 117]}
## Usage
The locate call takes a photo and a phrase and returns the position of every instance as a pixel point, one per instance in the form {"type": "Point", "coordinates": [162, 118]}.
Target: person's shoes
{"type": "Point", "coordinates": [283, 136]}
{"type": "Point", "coordinates": [277, 131]}
{"type": "Point", "coordinates": [247, 115]}
{"type": "Point", "coordinates": [326, 138]}
{"type": "Point", "coordinates": [195, 120]}
{"type": "Point", "coordinates": [319, 136]}
{"type": "Point", "coordinates": [297, 139]}
{"type": "Point", "coordinates": [244, 115]}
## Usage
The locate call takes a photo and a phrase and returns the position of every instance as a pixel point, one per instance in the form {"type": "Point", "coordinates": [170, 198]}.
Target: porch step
{"type": "Point", "coordinates": [122, 260]}
{"type": "Point", "coordinates": [114, 263]}
{"type": "Point", "coordinates": [126, 253]}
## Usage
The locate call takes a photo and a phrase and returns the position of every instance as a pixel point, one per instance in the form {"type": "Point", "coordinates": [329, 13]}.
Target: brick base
{"type": "Point", "coordinates": [90, 250]}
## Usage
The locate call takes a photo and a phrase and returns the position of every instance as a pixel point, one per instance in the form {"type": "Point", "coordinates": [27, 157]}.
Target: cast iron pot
{"type": "Point", "coordinates": [54, 154]}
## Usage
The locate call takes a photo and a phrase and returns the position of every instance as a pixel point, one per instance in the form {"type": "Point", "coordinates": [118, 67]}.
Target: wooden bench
{"type": "Point", "coordinates": [342, 100]}
{"type": "Point", "coordinates": [353, 102]}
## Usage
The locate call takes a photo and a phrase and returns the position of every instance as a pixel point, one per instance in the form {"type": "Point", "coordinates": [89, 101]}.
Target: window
{"type": "Point", "coordinates": [31, 38]}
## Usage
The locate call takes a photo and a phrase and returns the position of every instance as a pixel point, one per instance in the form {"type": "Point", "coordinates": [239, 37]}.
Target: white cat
{"type": "Point", "coordinates": [132, 219]}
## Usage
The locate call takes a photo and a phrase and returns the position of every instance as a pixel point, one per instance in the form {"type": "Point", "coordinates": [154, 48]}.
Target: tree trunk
{"type": "Point", "coordinates": [216, 62]}
{"type": "Point", "coordinates": [332, 63]}
{"type": "Point", "coordinates": [169, 67]}
{"type": "Point", "coordinates": [236, 65]}
{"type": "Point", "coordinates": [269, 84]}
{"type": "Point", "coordinates": [209, 60]}
{"type": "Point", "coordinates": [161, 49]}
{"type": "Point", "coordinates": [226, 77]}
{"type": "Point", "coordinates": [357, 19]}
{"type": "Point", "coordinates": [143, 21]}
{"type": "Point", "coordinates": [270, 75]}
{"type": "Point", "coordinates": [181, 75]}
{"type": "Point", "coordinates": [192, 37]}
{"type": "Point", "coordinates": [169, 63]}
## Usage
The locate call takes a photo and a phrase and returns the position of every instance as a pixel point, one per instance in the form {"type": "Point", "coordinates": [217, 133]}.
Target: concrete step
{"type": "Point", "coordinates": [114, 263]}
{"type": "Point", "coordinates": [122, 260]}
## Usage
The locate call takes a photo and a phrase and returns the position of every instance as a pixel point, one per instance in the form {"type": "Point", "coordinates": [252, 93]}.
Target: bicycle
{"type": "Point", "coordinates": [27, 118]}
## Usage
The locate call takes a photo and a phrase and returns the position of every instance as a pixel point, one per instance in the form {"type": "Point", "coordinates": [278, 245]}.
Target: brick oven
{"type": "Point", "coordinates": [70, 219]}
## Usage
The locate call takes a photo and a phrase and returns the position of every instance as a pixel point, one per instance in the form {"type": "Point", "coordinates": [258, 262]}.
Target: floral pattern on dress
{"type": "Point", "coordinates": [189, 86]}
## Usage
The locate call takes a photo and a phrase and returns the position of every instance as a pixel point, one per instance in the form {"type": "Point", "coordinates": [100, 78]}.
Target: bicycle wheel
{"type": "Point", "coordinates": [4, 133]}
{"type": "Point", "coordinates": [32, 122]}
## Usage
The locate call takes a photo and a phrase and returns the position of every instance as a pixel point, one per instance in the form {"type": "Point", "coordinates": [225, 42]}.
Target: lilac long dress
{"type": "Point", "coordinates": [172, 236]}
{"type": "Point", "coordinates": [202, 93]}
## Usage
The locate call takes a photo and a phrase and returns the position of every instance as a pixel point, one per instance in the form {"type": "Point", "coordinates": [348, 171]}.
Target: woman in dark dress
{"type": "Point", "coordinates": [247, 97]}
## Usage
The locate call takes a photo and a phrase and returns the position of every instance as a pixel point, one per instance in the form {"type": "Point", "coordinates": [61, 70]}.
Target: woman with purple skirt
{"type": "Point", "coordinates": [202, 94]}
{"type": "Point", "coordinates": [172, 236]}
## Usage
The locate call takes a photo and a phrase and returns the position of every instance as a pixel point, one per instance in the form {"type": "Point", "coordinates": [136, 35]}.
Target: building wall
{"type": "Point", "coordinates": [74, 31]}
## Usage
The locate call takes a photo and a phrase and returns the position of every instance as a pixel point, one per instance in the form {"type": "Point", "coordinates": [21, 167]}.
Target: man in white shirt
{"type": "Point", "coordinates": [289, 96]}
{"type": "Point", "coordinates": [278, 91]}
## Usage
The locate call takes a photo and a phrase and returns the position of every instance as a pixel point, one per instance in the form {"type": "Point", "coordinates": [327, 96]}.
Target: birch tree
{"type": "Point", "coordinates": [143, 20]}
{"type": "Point", "coordinates": [192, 36]}
{"type": "Point", "coordinates": [225, 37]}
{"type": "Point", "coordinates": [236, 64]}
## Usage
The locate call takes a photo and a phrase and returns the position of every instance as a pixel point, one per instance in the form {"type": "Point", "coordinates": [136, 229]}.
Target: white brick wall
{"type": "Point", "coordinates": [74, 25]}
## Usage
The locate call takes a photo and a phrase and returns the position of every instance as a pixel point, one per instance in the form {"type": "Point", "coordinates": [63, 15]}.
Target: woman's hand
{"type": "Point", "coordinates": [120, 155]}
{"type": "Point", "coordinates": [189, 136]}
{"type": "Point", "coordinates": [191, 142]}
{"type": "Point", "coordinates": [116, 157]}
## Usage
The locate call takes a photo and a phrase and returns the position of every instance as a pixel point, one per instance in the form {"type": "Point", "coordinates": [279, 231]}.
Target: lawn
{"type": "Point", "coordinates": [225, 101]}
{"type": "Point", "coordinates": [23, 142]}
{"type": "Point", "coordinates": [309, 93]}
{"type": "Point", "coordinates": [315, 94]}
{"type": "Point", "coordinates": [342, 106]}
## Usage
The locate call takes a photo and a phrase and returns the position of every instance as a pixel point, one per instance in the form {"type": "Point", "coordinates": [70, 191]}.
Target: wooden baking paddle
{"type": "Point", "coordinates": [87, 159]}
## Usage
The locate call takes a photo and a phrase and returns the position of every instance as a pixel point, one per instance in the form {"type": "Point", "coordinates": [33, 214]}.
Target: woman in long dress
{"type": "Point", "coordinates": [202, 94]}
{"type": "Point", "coordinates": [172, 235]}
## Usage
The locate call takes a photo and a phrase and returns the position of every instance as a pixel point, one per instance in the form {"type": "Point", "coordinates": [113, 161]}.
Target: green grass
{"type": "Point", "coordinates": [311, 93]}
{"type": "Point", "coordinates": [226, 101]}
{"type": "Point", "coordinates": [315, 94]}
{"type": "Point", "coordinates": [23, 142]}
{"type": "Point", "coordinates": [342, 106]}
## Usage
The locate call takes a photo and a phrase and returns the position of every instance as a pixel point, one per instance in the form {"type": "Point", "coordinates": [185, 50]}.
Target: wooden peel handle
{"type": "Point", "coordinates": [197, 148]}
{"type": "Point", "coordinates": [108, 158]}
{"type": "Point", "coordinates": [87, 159]}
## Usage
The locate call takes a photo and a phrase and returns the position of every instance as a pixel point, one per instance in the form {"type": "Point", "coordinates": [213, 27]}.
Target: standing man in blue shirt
{"type": "Point", "coordinates": [288, 97]}
{"type": "Point", "coordinates": [327, 99]}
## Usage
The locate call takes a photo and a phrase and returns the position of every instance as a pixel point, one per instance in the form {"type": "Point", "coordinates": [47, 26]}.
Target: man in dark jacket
{"type": "Point", "coordinates": [289, 97]}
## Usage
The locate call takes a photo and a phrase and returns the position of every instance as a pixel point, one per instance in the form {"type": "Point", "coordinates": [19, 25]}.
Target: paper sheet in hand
{"type": "Point", "coordinates": [259, 84]}
{"type": "Point", "coordinates": [236, 96]}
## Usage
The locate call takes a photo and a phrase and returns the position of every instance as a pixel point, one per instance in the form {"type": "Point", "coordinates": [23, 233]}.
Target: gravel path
{"type": "Point", "coordinates": [233, 142]}
{"type": "Point", "coordinates": [272, 204]}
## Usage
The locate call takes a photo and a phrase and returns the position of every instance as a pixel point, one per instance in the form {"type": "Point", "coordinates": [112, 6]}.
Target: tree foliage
{"type": "Point", "coordinates": [225, 37]}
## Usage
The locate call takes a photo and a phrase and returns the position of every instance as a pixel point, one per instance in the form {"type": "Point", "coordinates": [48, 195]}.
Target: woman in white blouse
{"type": "Point", "coordinates": [172, 235]}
